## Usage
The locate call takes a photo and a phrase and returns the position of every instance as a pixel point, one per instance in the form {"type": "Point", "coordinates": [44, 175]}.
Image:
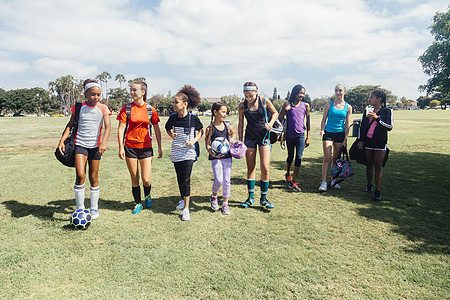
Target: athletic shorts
{"type": "Point", "coordinates": [91, 153]}
{"type": "Point", "coordinates": [253, 143]}
{"type": "Point", "coordinates": [139, 153]}
{"type": "Point", "coordinates": [335, 137]}
{"type": "Point", "coordinates": [374, 145]}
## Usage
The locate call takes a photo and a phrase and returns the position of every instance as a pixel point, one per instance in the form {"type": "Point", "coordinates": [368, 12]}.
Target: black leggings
{"type": "Point", "coordinates": [184, 170]}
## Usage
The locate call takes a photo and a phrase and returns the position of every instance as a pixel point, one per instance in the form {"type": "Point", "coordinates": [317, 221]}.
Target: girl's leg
{"type": "Point", "coordinates": [184, 170]}
{"type": "Point", "coordinates": [299, 147]}
{"type": "Point", "coordinates": [327, 146]}
{"type": "Point", "coordinates": [79, 187]}
{"type": "Point", "coordinates": [94, 166]}
{"type": "Point", "coordinates": [250, 157]}
{"type": "Point", "coordinates": [133, 169]}
{"type": "Point", "coordinates": [369, 167]}
{"type": "Point", "coordinates": [218, 180]}
{"type": "Point", "coordinates": [146, 172]}
{"type": "Point", "coordinates": [336, 151]}
{"type": "Point", "coordinates": [226, 165]}
{"type": "Point", "coordinates": [290, 145]}
{"type": "Point", "coordinates": [378, 165]}
{"type": "Point", "coordinates": [264, 157]}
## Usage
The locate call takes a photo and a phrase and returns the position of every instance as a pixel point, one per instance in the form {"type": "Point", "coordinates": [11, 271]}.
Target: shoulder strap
{"type": "Point", "coordinates": [77, 115]}
{"type": "Point", "coordinates": [128, 112]}
{"type": "Point", "coordinates": [150, 114]}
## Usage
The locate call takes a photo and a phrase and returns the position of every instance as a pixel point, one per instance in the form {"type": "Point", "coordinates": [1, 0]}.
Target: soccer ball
{"type": "Point", "coordinates": [81, 219]}
{"type": "Point", "coordinates": [220, 145]}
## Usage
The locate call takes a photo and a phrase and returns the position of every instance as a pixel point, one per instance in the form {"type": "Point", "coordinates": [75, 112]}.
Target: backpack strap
{"type": "Point", "coordinates": [77, 115]}
{"type": "Point", "coordinates": [128, 112]}
{"type": "Point", "coordinates": [150, 114]}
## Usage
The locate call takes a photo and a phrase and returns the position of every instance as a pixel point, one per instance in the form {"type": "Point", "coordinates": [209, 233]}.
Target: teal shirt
{"type": "Point", "coordinates": [336, 119]}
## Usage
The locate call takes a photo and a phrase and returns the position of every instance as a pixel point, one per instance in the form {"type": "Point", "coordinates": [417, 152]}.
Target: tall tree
{"type": "Point", "coordinates": [436, 59]}
{"type": "Point", "coordinates": [67, 90]}
{"type": "Point", "coordinates": [358, 96]}
{"type": "Point", "coordinates": [118, 97]}
{"type": "Point", "coordinates": [3, 95]}
{"type": "Point", "coordinates": [104, 77]}
{"type": "Point", "coordinates": [120, 78]}
{"type": "Point", "coordinates": [232, 102]}
{"type": "Point", "coordinates": [275, 94]}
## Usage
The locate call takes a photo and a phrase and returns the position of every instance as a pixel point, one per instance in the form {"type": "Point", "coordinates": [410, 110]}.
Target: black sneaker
{"type": "Point", "coordinates": [369, 188]}
{"type": "Point", "coordinates": [377, 196]}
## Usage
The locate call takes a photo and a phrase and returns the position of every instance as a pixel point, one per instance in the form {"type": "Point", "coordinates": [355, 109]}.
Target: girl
{"type": "Point", "coordinates": [137, 150]}
{"type": "Point", "coordinates": [372, 137]}
{"type": "Point", "coordinates": [334, 131]}
{"type": "Point", "coordinates": [89, 144]}
{"type": "Point", "coordinates": [296, 112]}
{"type": "Point", "coordinates": [253, 109]}
{"type": "Point", "coordinates": [221, 164]}
{"type": "Point", "coordinates": [185, 129]}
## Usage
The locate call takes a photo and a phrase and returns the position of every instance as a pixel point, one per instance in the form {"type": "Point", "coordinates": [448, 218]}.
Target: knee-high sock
{"type": "Point", "coordinates": [136, 190]}
{"type": "Point", "coordinates": [79, 195]}
{"type": "Point", "coordinates": [95, 193]}
{"type": "Point", "coordinates": [264, 185]}
{"type": "Point", "coordinates": [251, 188]}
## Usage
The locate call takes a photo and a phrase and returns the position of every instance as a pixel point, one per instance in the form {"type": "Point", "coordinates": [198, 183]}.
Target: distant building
{"type": "Point", "coordinates": [212, 99]}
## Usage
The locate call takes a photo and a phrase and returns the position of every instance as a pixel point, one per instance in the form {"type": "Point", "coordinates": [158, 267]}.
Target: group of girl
{"type": "Point", "coordinates": [137, 118]}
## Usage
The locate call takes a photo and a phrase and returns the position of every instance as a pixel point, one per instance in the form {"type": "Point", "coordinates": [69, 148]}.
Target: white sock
{"type": "Point", "coordinates": [95, 193]}
{"type": "Point", "coordinates": [79, 195]}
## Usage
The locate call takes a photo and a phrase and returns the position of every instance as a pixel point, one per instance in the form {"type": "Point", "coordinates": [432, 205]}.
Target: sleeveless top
{"type": "Point", "coordinates": [336, 118]}
{"type": "Point", "coordinates": [220, 133]}
{"type": "Point", "coordinates": [296, 120]}
{"type": "Point", "coordinates": [256, 121]}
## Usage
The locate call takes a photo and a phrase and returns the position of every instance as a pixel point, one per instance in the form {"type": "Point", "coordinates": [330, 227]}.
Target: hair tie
{"type": "Point", "coordinates": [91, 84]}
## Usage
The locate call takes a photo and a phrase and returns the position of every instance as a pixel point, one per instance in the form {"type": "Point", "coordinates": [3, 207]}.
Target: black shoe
{"type": "Point", "coordinates": [377, 196]}
{"type": "Point", "coordinates": [369, 188]}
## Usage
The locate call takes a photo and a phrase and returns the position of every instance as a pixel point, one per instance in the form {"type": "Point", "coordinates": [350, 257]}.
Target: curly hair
{"type": "Point", "coordinates": [190, 95]}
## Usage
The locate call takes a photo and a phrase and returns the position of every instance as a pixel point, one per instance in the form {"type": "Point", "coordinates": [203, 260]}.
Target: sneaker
{"type": "Point", "coordinates": [249, 202]}
{"type": "Point", "coordinates": [369, 188]}
{"type": "Point", "coordinates": [148, 201]}
{"type": "Point", "coordinates": [225, 209]}
{"type": "Point", "coordinates": [377, 196]}
{"type": "Point", "coordinates": [185, 215]}
{"type": "Point", "coordinates": [288, 178]}
{"type": "Point", "coordinates": [334, 186]}
{"type": "Point", "coordinates": [323, 187]}
{"type": "Point", "coordinates": [137, 209]}
{"type": "Point", "coordinates": [214, 203]}
{"type": "Point", "coordinates": [266, 204]}
{"type": "Point", "coordinates": [94, 213]}
{"type": "Point", "coordinates": [180, 204]}
{"type": "Point", "coordinates": [293, 186]}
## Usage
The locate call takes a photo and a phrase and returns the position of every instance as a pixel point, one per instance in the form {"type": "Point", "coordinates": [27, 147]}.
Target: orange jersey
{"type": "Point", "coordinates": [137, 135]}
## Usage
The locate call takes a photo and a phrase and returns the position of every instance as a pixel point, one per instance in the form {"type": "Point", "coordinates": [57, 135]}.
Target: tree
{"type": "Point", "coordinates": [41, 101]}
{"type": "Point", "coordinates": [436, 59]}
{"type": "Point", "coordinates": [434, 103]}
{"type": "Point", "coordinates": [307, 99]}
{"type": "Point", "coordinates": [137, 79]}
{"type": "Point", "coordinates": [319, 103]}
{"type": "Point", "coordinates": [67, 90]}
{"type": "Point", "coordinates": [204, 106]}
{"type": "Point", "coordinates": [18, 100]}
{"type": "Point", "coordinates": [288, 95]}
{"type": "Point", "coordinates": [275, 94]}
{"type": "Point", "coordinates": [358, 96]}
{"type": "Point", "coordinates": [232, 102]}
{"type": "Point", "coordinates": [103, 77]}
{"type": "Point", "coordinates": [118, 97]}
{"type": "Point", "coordinates": [423, 101]}
{"type": "Point", "coordinates": [120, 78]}
{"type": "Point", "coordinates": [3, 96]}
{"type": "Point", "coordinates": [164, 105]}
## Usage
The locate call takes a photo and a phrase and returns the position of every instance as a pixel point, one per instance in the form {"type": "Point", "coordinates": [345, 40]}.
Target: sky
{"type": "Point", "coordinates": [217, 45]}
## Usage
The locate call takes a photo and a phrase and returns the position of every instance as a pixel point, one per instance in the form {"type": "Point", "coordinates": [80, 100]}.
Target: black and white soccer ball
{"type": "Point", "coordinates": [81, 219]}
{"type": "Point", "coordinates": [220, 146]}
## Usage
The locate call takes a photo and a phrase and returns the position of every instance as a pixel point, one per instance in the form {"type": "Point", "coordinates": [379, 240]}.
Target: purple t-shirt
{"type": "Point", "coordinates": [296, 120]}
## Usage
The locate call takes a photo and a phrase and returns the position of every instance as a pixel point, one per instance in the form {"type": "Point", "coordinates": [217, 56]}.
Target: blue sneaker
{"type": "Point", "coordinates": [148, 201]}
{"type": "Point", "coordinates": [266, 204]}
{"type": "Point", "coordinates": [249, 202]}
{"type": "Point", "coordinates": [137, 209]}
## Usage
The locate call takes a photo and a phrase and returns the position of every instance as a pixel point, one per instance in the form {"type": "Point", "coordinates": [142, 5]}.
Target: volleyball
{"type": "Point", "coordinates": [220, 146]}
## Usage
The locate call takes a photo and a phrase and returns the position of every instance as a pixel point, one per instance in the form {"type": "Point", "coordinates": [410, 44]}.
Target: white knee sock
{"type": "Point", "coordinates": [79, 195]}
{"type": "Point", "coordinates": [95, 193]}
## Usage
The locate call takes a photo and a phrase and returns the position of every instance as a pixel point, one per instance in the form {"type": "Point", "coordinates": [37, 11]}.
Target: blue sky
{"type": "Point", "coordinates": [217, 45]}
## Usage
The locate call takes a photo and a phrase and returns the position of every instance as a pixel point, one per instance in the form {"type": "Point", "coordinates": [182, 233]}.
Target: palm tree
{"type": "Point", "coordinates": [103, 77]}
{"type": "Point", "coordinates": [120, 78]}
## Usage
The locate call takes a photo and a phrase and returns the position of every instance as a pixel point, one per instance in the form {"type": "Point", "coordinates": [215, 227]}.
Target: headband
{"type": "Point", "coordinates": [91, 84]}
{"type": "Point", "coordinates": [250, 88]}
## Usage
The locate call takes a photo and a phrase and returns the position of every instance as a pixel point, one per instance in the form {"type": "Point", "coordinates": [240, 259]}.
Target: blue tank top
{"type": "Point", "coordinates": [296, 120]}
{"type": "Point", "coordinates": [336, 119]}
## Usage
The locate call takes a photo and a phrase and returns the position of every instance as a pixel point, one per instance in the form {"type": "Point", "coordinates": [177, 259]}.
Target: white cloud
{"type": "Point", "coordinates": [59, 67]}
{"type": "Point", "coordinates": [12, 67]}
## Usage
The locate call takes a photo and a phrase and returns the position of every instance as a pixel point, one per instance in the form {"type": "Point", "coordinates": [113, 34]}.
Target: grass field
{"type": "Point", "coordinates": [338, 244]}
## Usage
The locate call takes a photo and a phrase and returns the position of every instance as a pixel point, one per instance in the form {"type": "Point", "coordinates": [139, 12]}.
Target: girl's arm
{"type": "Point", "coordinates": [241, 121]}
{"type": "Point", "coordinates": [120, 134]}
{"type": "Point", "coordinates": [65, 134]}
{"type": "Point", "coordinates": [324, 118]}
{"type": "Point", "coordinates": [208, 133]}
{"type": "Point", "coordinates": [348, 121]}
{"type": "Point", "coordinates": [198, 135]}
{"type": "Point", "coordinates": [308, 124]}
{"type": "Point", "coordinates": [158, 139]}
{"type": "Point", "coordinates": [231, 131]}
{"type": "Point", "coordinates": [385, 119]}
{"type": "Point", "coordinates": [107, 121]}
{"type": "Point", "coordinates": [271, 108]}
{"type": "Point", "coordinates": [283, 111]}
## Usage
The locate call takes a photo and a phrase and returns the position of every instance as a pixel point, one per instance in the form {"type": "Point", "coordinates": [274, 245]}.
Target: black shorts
{"type": "Point", "coordinates": [335, 137]}
{"type": "Point", "coordinates": [374, 145]}
{"type": "Point", "coordinates": [91, 153]}
{"type": "Point", "coordinates": [139, 153]}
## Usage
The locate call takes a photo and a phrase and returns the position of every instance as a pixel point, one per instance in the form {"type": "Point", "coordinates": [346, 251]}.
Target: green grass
{"type": "Point", "coordinates": [338, 244]}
